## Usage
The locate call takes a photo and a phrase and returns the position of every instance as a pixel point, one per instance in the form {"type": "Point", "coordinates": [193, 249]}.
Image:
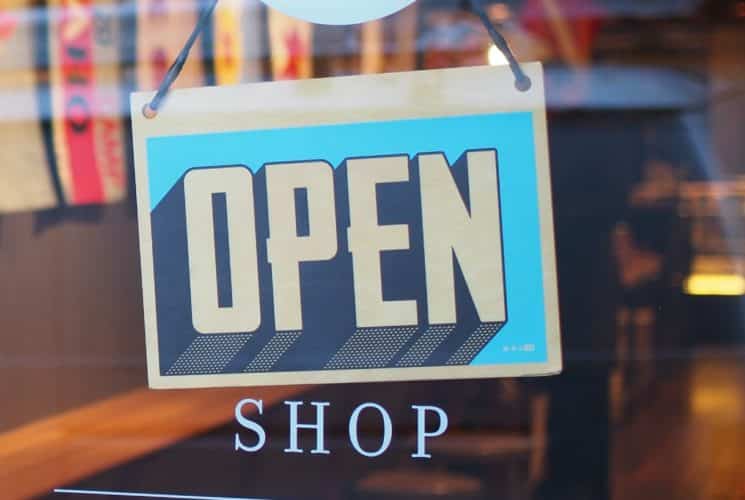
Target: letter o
{"type": "Point", "coordinates": [387, 430]}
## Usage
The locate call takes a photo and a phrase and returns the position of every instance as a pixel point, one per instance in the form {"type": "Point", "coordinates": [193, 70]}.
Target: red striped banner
{"type": "Point", "coordinates": [86, 101]}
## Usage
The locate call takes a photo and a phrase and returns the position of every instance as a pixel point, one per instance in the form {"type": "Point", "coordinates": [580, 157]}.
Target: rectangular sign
{"type": "Point", "coordinates": [365, 228]}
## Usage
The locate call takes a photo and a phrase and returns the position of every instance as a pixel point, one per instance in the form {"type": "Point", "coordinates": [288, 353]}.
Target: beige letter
{"type": "Point", "coordinates": [367, 239]}
{"type": "Point", "coordinates": [285, 248]}
{"type": "Point", "coordinates": [474, 238]}
{"type": "Point", "coordinates": [207, 315]}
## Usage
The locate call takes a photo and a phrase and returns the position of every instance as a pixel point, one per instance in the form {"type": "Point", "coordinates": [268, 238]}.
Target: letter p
{"type": "Point", "coordinates": [421, 428]}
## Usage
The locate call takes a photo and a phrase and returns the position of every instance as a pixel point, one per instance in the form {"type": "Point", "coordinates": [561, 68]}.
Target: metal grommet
{"type": "Point", "coordinates": [148, 112]}
{"type": "Point", "coordinates": [523, 84]}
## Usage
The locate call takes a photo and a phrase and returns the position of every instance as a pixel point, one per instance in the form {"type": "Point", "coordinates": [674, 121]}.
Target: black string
{"type": "Point", "coordinates": [522, 81]}
{"type": "Point", "coordinates": [151, 109]}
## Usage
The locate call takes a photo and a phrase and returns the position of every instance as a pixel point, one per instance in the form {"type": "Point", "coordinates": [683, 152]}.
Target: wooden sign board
{"type": "Point", "coordinates": [366, 228]}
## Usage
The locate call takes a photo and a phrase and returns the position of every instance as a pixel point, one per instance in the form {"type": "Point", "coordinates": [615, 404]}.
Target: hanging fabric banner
{"type": "Point", "coordinates": [238, 42]}
{"type": "Point", "coordinates": [87, 104]}
{"type": "Point", "coordinates": [163, 26]}
{"type": "Point", "coordinates": [25, 177]}
{"type": "Point", "coordinates": [361, 228]}
{"type": "Point", "coordinates": [291, 46]}
{"type": "Point", "coordinates": [372, 47]}
{"type": "Point", "coordinates": [403, 31]}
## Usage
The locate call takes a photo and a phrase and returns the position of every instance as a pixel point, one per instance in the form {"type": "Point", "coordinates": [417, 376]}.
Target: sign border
{"type": "Point", "coordinates": [354, 99]}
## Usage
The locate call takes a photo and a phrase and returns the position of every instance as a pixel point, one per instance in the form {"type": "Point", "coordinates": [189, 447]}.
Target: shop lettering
{"type": "Point", "coordinates": [432, 422]}
{"type": "Point", "coordinates": [455, 226]}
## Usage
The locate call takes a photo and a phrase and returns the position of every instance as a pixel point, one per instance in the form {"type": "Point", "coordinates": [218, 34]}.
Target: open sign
{"type": "Point", "coordinates": [330, 231]}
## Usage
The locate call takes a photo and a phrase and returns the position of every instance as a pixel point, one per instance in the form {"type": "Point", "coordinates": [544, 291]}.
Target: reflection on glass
{"type": "Point", "coordinates": [646, 116]}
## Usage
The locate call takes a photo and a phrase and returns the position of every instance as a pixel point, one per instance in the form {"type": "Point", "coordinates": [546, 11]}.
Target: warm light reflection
{"type": "Point", "coordinates": [716, 392]}
{"type": "Point", "coordinates": [717, 401]}
{"type": "Point", "coordinates": [495, 56]}
{"type": "Point", "coordinates": [715, 284]}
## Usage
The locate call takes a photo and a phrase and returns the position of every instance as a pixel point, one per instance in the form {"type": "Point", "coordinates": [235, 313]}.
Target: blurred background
{"type": "Point", "coordinates": [646, 118]}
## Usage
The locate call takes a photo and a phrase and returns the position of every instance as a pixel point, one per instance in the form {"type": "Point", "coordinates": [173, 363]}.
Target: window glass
{"type": "Point", "coordinates": [645, 117]}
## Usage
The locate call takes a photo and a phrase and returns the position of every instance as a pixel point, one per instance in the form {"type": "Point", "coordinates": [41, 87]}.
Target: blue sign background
{"type": "Point", "coordinates": [523, 337]}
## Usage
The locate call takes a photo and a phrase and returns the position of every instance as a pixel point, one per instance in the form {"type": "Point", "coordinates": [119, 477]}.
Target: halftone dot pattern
{"type": "Point", "coordinates": [473, 345]}
{"type": "Point", "coordinates": [425, 345]}
{"type": "Point", "coordinates": [208, 354]}
{"type": "Point", "coordinates": [371, 347]}
{"type": "Point", "coordinates": [272, 351]}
